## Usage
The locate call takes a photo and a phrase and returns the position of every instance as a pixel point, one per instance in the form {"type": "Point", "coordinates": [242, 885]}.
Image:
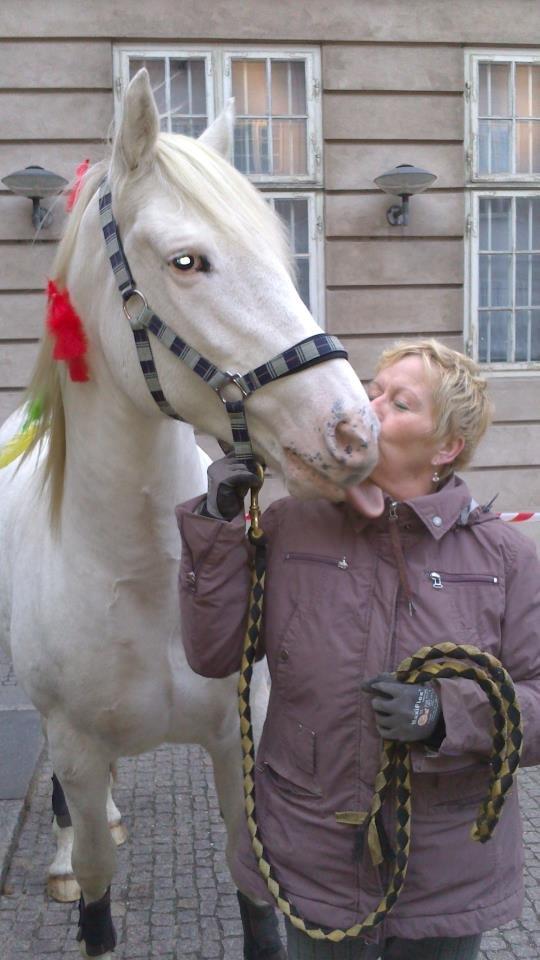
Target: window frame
{"type": "Point", "coordinates": [219, 86]}
{"type": "Point", "coordinates": [473, 59]}
{"type": "Point", "coordinates": [316, 244]}
{"type": "Point", "coordinates": [217, 58]}
{"type": "Point", "coordinates": [479, 186]}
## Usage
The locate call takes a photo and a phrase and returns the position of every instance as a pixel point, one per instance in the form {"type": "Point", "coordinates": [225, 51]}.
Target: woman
{"type": "Point", "coordinates": [348, 598]}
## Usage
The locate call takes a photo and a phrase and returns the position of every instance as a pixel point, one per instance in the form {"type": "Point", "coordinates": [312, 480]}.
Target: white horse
{"type": "Point", "coordinates": [88, 566]}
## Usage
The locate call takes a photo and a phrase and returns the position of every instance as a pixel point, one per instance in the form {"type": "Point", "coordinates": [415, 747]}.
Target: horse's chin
{"type": "Point", "coordinates": [307, 482]}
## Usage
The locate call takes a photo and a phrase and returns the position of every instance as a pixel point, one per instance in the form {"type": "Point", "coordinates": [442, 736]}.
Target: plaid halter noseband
{"type": "Point", "coordinates": [305, 354]}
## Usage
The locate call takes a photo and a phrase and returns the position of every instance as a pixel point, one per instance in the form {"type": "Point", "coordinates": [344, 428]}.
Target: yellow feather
{"type": "Point", "coordinates": [16, 446]}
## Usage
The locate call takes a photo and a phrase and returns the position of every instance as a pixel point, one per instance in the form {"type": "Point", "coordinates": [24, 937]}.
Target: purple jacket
{"type": "Point", "coordinates": [336, 614]}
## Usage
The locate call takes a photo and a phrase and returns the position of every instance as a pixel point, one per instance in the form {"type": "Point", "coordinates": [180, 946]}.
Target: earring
{"type": "Point", "coordinates": [435, 478]}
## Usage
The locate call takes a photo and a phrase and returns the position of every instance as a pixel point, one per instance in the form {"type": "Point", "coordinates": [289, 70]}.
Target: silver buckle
{"type": "Point", "coordinates": [232, 378]}
{"type": "Point", "coordinates": [134, 321]}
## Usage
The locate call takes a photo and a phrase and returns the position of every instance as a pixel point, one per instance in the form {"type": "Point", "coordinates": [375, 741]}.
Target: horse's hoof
{"type": "Point", "coordinates": [64, 888]}
{"type": "Point", "coordinates": [118, 832]}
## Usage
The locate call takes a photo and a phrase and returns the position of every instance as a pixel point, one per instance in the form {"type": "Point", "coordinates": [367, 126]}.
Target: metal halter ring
{"type": "Point", "coordinates": [232, 378]}
{"type": "Point", "coordinates": [135, 320]}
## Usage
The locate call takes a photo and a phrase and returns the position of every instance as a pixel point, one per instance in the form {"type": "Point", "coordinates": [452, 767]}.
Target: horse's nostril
{"type": "Point", "coordinates": [349, 440]}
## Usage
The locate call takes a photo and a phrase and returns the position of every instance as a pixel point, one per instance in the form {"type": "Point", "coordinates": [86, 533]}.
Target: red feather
{"type": "Point", "coordinates": [65, 326]}
{"type": "Point", "coordinates": [76, 188]}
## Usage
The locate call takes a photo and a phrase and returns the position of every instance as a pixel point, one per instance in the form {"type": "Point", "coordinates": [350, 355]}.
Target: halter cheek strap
{"type": "Point", "coordinates": [143, 321]}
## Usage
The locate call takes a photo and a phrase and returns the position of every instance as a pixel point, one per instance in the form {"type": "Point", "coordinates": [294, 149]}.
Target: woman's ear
{"type": "Point", "coordinates": [449, 452]}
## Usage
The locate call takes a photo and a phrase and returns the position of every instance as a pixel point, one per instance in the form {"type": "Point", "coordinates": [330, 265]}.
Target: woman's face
{"type": "Point", "coordinates": [402, 398]}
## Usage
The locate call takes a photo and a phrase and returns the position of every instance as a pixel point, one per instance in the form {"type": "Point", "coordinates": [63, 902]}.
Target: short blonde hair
{"type": "Point", "coordinates": [461, 404]}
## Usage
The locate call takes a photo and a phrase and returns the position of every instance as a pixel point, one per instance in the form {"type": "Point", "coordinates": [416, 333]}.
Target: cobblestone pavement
{"type": "Point", "coordinates": [173, 898]}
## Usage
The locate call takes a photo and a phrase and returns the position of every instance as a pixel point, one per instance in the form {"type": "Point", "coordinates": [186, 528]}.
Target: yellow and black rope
{"type": "Point", "coordinates": [439, 661]}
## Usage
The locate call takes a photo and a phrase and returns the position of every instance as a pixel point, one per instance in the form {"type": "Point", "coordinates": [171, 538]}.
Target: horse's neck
{"type": "Point", "coordinates": [124, 474]}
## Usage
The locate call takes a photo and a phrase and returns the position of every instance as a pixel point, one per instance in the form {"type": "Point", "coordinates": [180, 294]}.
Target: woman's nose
{"type": "Point", "coordinates": [377, 407]}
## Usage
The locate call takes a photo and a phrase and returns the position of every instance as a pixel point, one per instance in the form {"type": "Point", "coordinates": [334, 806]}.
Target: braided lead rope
{"type": "Point", "coordinates": [395, 767]}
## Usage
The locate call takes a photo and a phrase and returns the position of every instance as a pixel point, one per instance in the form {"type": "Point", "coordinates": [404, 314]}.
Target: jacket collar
{"type": "Point", "coordinates": [438, 512]}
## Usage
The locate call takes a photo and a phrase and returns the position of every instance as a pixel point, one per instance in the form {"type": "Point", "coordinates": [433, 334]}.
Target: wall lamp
{"type": "Point", "coordinates": [36, 183]}
{"type": "Point", "coordinates": [403, 181]}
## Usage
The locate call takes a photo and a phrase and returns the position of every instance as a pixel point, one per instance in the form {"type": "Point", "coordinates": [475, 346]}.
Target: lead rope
{"type": "Point", "coordinates": [440, 661]}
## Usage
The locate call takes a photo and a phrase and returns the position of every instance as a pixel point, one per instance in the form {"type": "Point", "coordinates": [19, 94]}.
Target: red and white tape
{"type": "Point", "coordinates": [520, 517]}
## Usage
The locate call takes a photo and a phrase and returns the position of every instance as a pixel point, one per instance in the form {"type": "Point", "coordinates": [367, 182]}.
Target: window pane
{"type": "Point", "coordinates": [294, 213]}
{"type": "Point", "coordinates": [251, 153]}
{"type": "Point", "coordinates": [188, 87]}
{"type": "Point", "coordinates": [535, 335]}
{"type": "Point", "coordinates": [250, 87]}
{"type": "Point", "coordinates": [528, 223]}
{"type": "Point", "coordinates": [289, 147]}
{"type": "Point", "coordinates": [494, 83]}
{"type": "Point", "coordinates": [528, 280]}
{"type": "Point", "coordinates": [156, 70]}
{"type": "Point", "coordinates": [527, 335]}
{"type": "Point", "coordinates": [189, 126]}
{"type": "Point", "coordinates": [288, 87]}
{"type": "Point", "coordinates": [494, 146]}
{"type": "Point", "coordinates": [495, 231]}
{"type": "Point", "coordinates": [494, 340]}
{"type": "Point", "coordinates": [495, 272]}
{"type": "Point", "coordinates": [302, 278]}
{"type": "Point", "coordinates": [527, 90]}
{"type": "Point", "coordinates": [528, 146]}
{"type": "Point", "coordinates": [523, 332]}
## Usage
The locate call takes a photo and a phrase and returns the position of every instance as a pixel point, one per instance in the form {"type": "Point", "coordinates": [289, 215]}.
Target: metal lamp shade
{"type": "Point", "coordinates": [405, 180]}
{"type": "Point", "coordinates": [34, 181]}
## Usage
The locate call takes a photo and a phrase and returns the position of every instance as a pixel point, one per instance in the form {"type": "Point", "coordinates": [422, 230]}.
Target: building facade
{"type": "Point", "coordinates": [328, 97]}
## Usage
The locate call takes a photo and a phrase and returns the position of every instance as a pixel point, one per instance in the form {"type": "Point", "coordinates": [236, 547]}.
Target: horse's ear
{"type": "Point", "coordinates": [135, 141]}
{"type": "Point", "coordinates": [219, 135]}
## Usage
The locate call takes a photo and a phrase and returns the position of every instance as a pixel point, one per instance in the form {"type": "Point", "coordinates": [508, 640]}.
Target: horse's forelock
{"type": "Point", "coordinates": [221, 195]}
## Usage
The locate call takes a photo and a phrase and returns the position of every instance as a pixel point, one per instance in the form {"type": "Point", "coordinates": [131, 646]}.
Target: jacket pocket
{"type": "Point", "coordinates": [290, 758]}
{"type": "Point", "coordinates": [340, 563]}
{"type": "Point", "coordinates": [439, 578]}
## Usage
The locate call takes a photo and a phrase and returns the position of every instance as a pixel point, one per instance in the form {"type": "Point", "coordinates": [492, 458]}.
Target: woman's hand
{"type": "Point", "coordinates": [404, 711]}
{"type": "Point", "coordinates": [228, 483]}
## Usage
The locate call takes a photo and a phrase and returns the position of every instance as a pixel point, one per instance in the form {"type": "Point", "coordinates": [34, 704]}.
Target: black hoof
{"type": "Point", "coordinates": [96, 927]}
{"type": "Point", "coordinates": [261, 933]}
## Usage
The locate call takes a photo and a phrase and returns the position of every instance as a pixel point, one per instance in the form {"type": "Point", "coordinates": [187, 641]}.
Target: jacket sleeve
{"type": "Point", "coordinates": [467, 714]}
{"type": "Point", "coordinates": [214, 584]}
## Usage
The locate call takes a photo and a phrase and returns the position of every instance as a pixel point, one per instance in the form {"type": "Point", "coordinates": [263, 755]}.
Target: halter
{"type": "Point", "coordinates": [300, 356]}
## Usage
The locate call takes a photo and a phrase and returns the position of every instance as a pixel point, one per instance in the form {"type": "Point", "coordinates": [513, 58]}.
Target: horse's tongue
{"type": "Point", "coordinates": [366, 498]}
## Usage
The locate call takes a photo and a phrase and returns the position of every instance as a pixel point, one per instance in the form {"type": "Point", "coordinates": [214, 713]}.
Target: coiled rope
{"type": "Point", "coordinates": [440, 661]}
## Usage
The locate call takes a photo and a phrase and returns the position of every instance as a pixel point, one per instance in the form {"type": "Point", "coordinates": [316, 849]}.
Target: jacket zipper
{"type": "Point", "coordinates": [314, 558]}
{"type": "Point", "coordinates": [438, 579]}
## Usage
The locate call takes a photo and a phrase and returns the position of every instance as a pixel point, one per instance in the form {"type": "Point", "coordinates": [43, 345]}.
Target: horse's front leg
{"type": "Point", "coordinates": [61, 883]}
{"type": "Point", "coordinates": [83, 771]}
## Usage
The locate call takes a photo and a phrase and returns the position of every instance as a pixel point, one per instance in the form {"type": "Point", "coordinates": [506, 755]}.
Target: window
{"type": "Point", "coordinates": [277, 134]}
{"type": "Point", "coordinates": [503, 187]}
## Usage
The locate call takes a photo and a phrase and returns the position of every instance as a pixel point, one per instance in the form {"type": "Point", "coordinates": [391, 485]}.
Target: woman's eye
{"type": "Point", "coordinates": [185, 262]}
{"type": "Point", "coordinates": [400, 405]}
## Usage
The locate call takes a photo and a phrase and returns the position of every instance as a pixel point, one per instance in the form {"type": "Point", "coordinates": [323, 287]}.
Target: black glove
{"type": "Point", "coordinates": [228, 483]}
{"type": "Point", "coordinates": [405, 711]}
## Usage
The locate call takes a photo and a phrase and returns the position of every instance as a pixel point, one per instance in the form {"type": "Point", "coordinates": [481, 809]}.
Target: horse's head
{"type": "Point", "coordinates": [210, 257]}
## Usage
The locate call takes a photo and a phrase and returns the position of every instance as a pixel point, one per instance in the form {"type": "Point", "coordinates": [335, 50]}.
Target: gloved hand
{"type": "Point", "coordinates": [404, 711]}
{"type": "Point", "coordinates": [228, 484]}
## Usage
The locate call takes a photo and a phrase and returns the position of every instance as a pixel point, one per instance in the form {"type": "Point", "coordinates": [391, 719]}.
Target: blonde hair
{"type": "Point", "coordinates": [461, 404]}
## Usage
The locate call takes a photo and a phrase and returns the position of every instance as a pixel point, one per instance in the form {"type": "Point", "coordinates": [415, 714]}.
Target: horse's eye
{"type": "Point", "coordinates": [189, 261]}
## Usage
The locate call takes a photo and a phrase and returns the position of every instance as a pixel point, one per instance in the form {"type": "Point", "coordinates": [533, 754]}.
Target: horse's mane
{"type": "Point", "coordinates": [223, 197]}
